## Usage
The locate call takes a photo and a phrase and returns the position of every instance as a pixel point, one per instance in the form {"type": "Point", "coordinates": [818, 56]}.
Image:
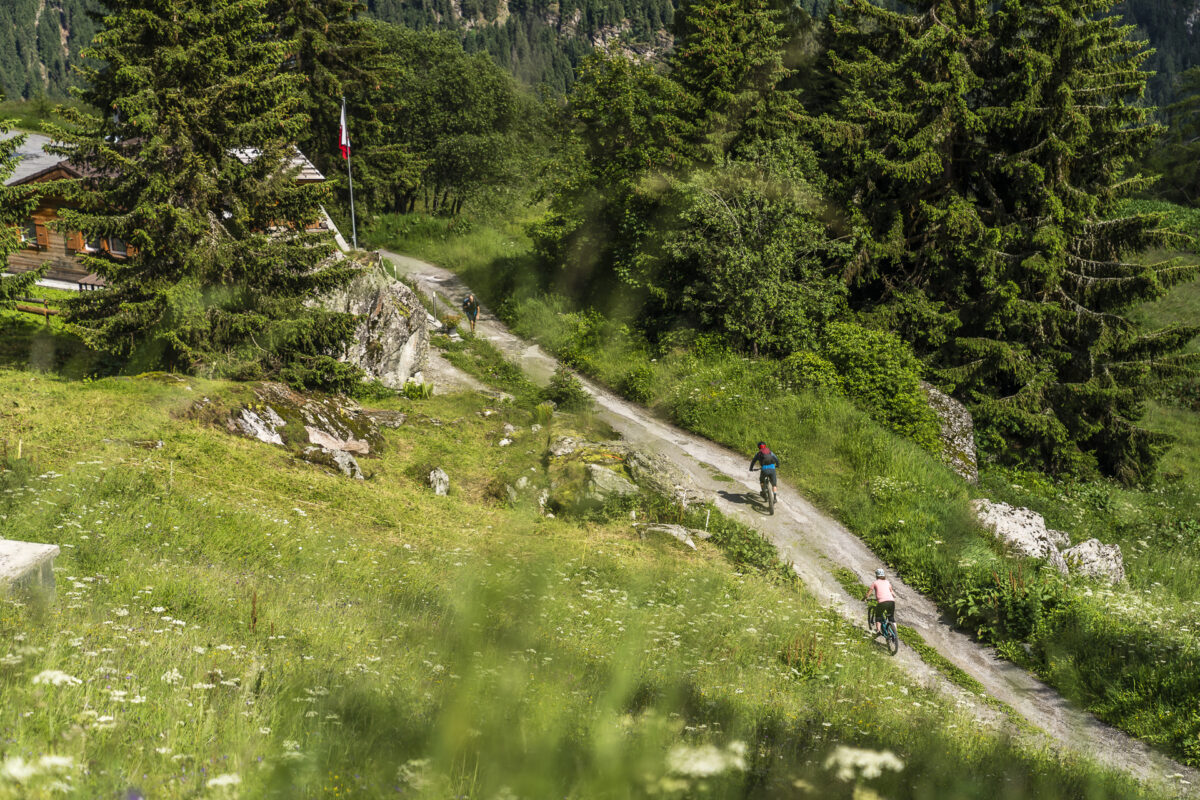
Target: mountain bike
{"type": "Point", "coordinates": [887, 629]}
{"type": "Point", "coordinates": [766, 490]}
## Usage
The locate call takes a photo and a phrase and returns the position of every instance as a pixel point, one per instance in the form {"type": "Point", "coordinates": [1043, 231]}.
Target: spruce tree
{"type": "Point", "coordinates": [16, 203]}
{"type": "Point", "coordinates": [188, 162]}
{"type": "Point", "coordinates": [984, 153]}
{"type": "Point", "coordinates": [729, 56]}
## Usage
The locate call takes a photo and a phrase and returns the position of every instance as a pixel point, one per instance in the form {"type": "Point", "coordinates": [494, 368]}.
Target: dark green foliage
{"type": "Point", "coordinates": [40, 43]}
{"type": "Point", "coordinates": [16, 202]}
{"type": "Point", "coordinates": [567, 392]}
{"type": "Point", "coordinates": [993, 239]}
{"type": "Point", "coordinates": [458, 117]}
{"type": "Point", "coordinates": [189, 164]}
{"type": "Point", "coordinates": [879, 373]}
{"type": "Point", "coordinates": [1178, 156]}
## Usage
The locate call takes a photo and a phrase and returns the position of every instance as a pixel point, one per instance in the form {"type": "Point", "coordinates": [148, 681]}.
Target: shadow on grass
{"type": "Point", "coordinates": [32, 344]}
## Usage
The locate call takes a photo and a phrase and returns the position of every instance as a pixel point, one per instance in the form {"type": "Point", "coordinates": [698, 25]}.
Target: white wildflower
{"type": "Point", "coordinates": [228, 779]}
{"type": "Point", "coordinates": [852, 761]}
{"type": "Point", "coordinates": [16, 769]}
{"type": "Point", "coordinates": [707, 759]}
{"type": "Point", "coordinates": [172, 676]}
{"type": "Point", "coordinates": [56, 763]}
{"type": "Point", "coordinates": [56, 678]}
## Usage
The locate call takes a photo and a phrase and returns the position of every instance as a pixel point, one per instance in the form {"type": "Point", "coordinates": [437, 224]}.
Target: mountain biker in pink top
{"type": "Point", "coordinates": [885, 600]}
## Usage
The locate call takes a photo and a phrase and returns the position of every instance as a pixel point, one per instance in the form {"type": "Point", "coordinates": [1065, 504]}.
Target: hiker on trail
{"type": "Point", "coordinates": [885, 600]}
{"type": "Point", "coordinates": [470, 307]}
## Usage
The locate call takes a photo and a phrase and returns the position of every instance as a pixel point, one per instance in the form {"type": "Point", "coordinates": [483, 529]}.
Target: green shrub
{"type": "Point", "coordinates": [567, 392]}
{"type": "Point", "coordinates": [879, 372]}
{"type": "Point", "coordinates": [805, 370]}
{"type": "Point", "coordinates": [638, 384]}
{"type": "Point", "coordinates": [417, 390]}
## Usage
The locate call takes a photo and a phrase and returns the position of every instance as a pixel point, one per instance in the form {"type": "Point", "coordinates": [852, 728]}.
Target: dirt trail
{"type": "Point", "coordinates": [816, 544]}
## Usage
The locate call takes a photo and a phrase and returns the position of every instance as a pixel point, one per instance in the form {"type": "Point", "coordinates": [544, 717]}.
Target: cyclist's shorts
{"type": "Point", "coordinates": [769, 475]}
{"type": "Point", "coordinates": [888, 608]}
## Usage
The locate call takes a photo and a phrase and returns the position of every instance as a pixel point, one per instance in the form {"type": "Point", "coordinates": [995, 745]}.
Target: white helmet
{"type": "Point", "coordinates": [879, 573]}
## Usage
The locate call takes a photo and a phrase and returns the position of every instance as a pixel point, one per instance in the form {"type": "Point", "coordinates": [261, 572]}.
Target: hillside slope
{"type": "Point", "coordinates": [231, 621]}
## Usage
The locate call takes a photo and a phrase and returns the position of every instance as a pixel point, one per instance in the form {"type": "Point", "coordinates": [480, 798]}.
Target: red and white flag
{"type": "Point", "coordinates": [344, 133]}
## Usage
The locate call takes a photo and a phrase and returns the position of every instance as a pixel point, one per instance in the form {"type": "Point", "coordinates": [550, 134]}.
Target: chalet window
{"type": "Point", "coordinates": [29, 233]}
{"type": "Point", "coordinates": [92, 246]}
{"type": "Point", "coordinates": [117, 247]}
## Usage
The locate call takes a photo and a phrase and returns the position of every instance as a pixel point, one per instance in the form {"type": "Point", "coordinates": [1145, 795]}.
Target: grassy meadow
{"type": "Point", "coordinates": [1127, 653]}
{"type": "Point", "coordinates": [231, 622]}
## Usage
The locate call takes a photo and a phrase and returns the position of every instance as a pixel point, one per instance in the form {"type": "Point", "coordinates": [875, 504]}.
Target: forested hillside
{"type": "Point", "coordinates": [539, 41]}
{"type": "Point", "coordinates": [39, 42]}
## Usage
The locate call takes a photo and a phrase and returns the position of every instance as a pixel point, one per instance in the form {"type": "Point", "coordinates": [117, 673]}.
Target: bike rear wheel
{"type": "Point", "coordinates": [893, 640]}
{"type": "Point", "coordinates": [770, 499]}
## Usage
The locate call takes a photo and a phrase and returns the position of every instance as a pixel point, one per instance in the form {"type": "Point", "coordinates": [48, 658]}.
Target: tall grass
{"type": "Point", "coordinates": [230, 622]}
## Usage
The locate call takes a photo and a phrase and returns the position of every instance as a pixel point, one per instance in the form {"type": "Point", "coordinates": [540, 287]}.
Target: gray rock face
{"type": "Point", "coordinates": [1021, 530]}
{"type": "Point", "coordinates": [391, 343]}
{"type": "Point", "coordinates": [439, 481]}
{"type": "Point", "coordinates": [604, 483]}
{"type": "Point", "coordinates": [328, 431]}
{"type": "Point", "coordinates": [655, 472]}
{"type": "Point", "coordinates": [340, 460]}
{"type": "Point", "coordinates": [26, 565]}
{"type": "Point", "coordinates": [1093, 559]}
{"type": "Point", "coordinates": [263, 426]}
{"type": "Point", "coordinates": [685, 535]}
{"type": "Point", "coordinates": [662, 476]}
{"type": "Point", "coordinates": [957, 433]}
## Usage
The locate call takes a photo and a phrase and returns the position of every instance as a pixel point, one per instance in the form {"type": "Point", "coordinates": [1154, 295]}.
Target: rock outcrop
{"type": "Point", "coordinates": [603, 484]}
{"type": "Point", "coordinates": [439, 481]}
{"type": "Point", "coordinates": [26, 566]}
{"type": "Point", "coordinates": [1024, 532]}
{"type": "Point", "coordinates": [391, 342]}
{"type": "Point", "coordinates": [685, 535]}
{"type": "Point", "coordinates": [651, 471]}
{"type": "Point", "coordinates": [1096, 560]}
{"type": "Point", "coordinates": [329, 431]}
{"type": "Point", "coordinates": [957, 433]}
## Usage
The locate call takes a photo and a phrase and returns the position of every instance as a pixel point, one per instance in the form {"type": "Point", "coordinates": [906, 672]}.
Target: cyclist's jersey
{"type": "Point", "coordinates": [883, 591]}
{"type": "Point", "coordinates": [768, 460]}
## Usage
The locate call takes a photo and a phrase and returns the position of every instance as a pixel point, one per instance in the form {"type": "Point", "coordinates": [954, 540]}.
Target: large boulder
{"type": "Point", "coordinates": [1022, 531]}
{"type": "Point", "coordinates": [1096, 560]}
{"type": "Point", "coordinates": [324, 430]}
{"type": "Point", "coordinates": [391, 342]}
{"type": "Point", "coordinates": [651, 471]}
{"type": "Point", "coordinates": [439, 481]}
{"type": "Point", "coordinates": [957, 433]}
{"type": "Point", "coordinates": [603, 484]}
{"type": "Point", "coordinates": [662, 476]}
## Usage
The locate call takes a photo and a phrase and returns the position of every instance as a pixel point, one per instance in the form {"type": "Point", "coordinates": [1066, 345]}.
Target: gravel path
{"type": "Point", "coordinates": [815, 544]}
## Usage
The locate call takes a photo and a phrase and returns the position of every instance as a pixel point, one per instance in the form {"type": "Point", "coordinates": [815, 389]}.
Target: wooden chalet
{"type": "Point", "coordinates": [42, 243]}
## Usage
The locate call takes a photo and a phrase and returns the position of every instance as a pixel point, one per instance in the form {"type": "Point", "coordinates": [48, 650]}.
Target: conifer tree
{"type": "Point", "coordinates": [983, 152]}
{"type": "Point", "coordinates": [188, 164]}
{"type": "Point", "coordinates": [16, 203]}
{"type": "Point", "coordinates": [335, 53]}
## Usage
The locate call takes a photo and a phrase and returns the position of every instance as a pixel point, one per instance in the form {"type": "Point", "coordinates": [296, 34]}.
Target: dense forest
{"type": "Point", "coordinates": [538, 41]}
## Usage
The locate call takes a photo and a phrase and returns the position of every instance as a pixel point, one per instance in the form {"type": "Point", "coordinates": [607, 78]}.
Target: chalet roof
{"type": "Point", "coordinates": [306, 170]}
{"type": "Point", "coordinates": [33, 159]}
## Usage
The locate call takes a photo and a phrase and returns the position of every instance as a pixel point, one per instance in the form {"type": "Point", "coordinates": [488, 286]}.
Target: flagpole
{"type": "Point", "coordinates": [350, 174]}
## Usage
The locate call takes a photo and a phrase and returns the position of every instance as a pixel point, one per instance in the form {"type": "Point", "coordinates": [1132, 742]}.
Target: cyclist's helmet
{"type": "Point", "coordinates": [762, 445]}
{"type": "Point", "coordinates": [879, 573]}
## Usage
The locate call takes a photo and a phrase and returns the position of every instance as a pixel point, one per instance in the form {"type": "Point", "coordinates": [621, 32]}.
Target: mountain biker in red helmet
{"type": "Point", "coordinates": [768, 461]}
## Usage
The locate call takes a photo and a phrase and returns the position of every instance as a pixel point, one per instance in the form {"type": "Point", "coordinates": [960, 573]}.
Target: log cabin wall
{"type": "Point", "coordinates": [45, 244]}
